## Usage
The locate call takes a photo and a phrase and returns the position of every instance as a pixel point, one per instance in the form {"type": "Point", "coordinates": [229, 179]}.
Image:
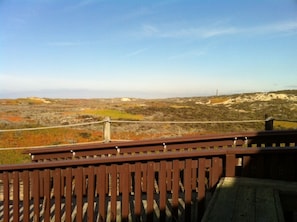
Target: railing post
{"type": "Point", "coordinates": [268, 123]}
{"type": "Point", "coordinates": [230, 165]}
{"type": "Point", "coordinates": [106, 129]}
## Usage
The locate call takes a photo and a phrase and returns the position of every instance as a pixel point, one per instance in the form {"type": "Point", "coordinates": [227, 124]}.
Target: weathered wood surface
{"type": "Point", "coordinates": [155, 216]}
{"type": "Point", "coordinates": [167, 185]}
{"type": "Point", "coordinates": [248, 199]}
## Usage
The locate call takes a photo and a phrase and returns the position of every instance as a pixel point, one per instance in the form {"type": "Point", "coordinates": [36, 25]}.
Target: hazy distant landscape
{"type": "Point", "coordinates": [43, 112]}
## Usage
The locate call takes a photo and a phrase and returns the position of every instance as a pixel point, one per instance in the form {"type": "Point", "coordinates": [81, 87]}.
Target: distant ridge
{"type": "Point", "coordinates": [93, 94]}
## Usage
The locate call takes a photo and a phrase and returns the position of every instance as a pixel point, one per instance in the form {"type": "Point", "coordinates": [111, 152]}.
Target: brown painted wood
{"type": "Point", "coordinates": [230, 165]}
{"type": "Point", "coordinates": [279, 163]}
{"type": "Point", "coordinates": [101, 185]}
{"type": "Point", "coordinates": [16, 196]}
{"type": "Point", "coordinates": [57, 192]}
{"type": "Point", "coordinates": [125, 176]}
{"type": "Point", "coordinates": [188, 189]}
{"type": "Point", "coordinates": [237, 139]}
{"type": "Point", "coordinates": [79, 193]}
{"type": "Point", "coordinates": [201, 186]}
{"type": "Point", "coordinates": [6, 198]}
{"type": "Point", "coordinates": [68, 194]}
{"type": "Point", "coordinates": [215, 173]}
{"type": "Point", "coordinates": [35, 194]}
{"type": "Point", "coordinates": [90, 193]}
{"type": "Point", "coordinates": [175, 189]}
{"type": "Point", "coordinates": [246, 161]}
{"type": "Point", "coordinates": [150, 191]}
{"type": "Point", "coordinates": [169, 175]}
{"type": "Point", "coordinates": [138, 192]}
{"type": "Point", "coordinates": [162, 190]}
{"type": "Point", "coordinates": [47, 195]}
{"type": "Point", "coordinates": [26, 196]}
{"type": "Point", "coordinates": [113, 192]}
{"type": "Point", "coordinates": [194, 181]}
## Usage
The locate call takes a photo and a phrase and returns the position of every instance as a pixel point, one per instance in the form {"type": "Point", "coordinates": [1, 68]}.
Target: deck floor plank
{"type": "Point", "coordinates": [248, 199]}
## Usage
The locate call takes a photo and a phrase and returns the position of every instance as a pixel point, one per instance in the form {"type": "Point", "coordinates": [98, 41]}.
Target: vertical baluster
{"type": "Point", "coordinates": [150, 191]}
{"type": "Point", "coordinates": [6, 196]}
{"type": "Point", "coordinates": [101, 186]}
{"type": "Point", "coordinates": [215, 172]}
{"type": "Point", "coordinates": [230, 165]}
{"type": "Point", "coordinates": [91, 193]}
{"type": "Point", "coordinates": [175, 189]}
{"type": "Point", "coordinates": [68, 198]}
{"type": "Point", "coordinates": [79, 193]}
{"type": "Point", "coordinates": [57, 193]}
{"type": "Point", "coordinates": [137, 192]}
{"type": "Point", "coordinates": [113, 204]}
{"type": "Point", "coordinates": [35, 194]}
{"type": "Point", "coordinates": [16, 196]}
{"type": "Point", "coordinates": [125, 177]}
{"type": "Point", "coordinates": [201, 186]}
{"type": "Point", "coordinates": [26, 196]}
{"type": "Point", "coordinates": [163, 191]}
{"type": "Point", "coordinates": [188, 189]}
{"type": "Point", "coordinates": [47, 195]}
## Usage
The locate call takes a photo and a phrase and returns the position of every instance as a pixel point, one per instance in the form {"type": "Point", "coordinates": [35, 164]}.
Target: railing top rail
{"type": "Point", "coordinates": [167, 141]}
{"type": "Point", "coordinates": [120, 159]}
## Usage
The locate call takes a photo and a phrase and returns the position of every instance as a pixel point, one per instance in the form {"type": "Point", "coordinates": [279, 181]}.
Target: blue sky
{"type": "Point", "coordinates": [146, 49]}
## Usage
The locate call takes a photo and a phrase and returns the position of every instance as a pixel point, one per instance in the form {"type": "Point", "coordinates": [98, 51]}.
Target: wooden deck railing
{"type": "Point", "coordinates": [147, 186]}
{"type": "Point", "coordinates": [238, 139]}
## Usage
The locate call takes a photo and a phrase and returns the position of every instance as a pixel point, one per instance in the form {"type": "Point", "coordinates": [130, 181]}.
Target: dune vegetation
{"type": "Point", "coordinates": [44, 112]}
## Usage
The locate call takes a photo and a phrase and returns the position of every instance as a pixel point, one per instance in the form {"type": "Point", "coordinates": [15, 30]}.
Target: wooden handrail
{"type": "Point", "coordinates": [123, 185]}
{"type": "Point", "coordinates": [239, 139]}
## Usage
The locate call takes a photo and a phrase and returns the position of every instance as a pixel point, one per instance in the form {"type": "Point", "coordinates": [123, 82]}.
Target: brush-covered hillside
{"type": "Point", "coordinates": [43, 112]}
{"type": "Point", "coordinates": [57, 121]}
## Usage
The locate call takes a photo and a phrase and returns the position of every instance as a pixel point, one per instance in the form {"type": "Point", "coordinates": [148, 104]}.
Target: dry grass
{"type": "Point", "coordinates": [285, 124]}
{"type": "Point", "coordinates": [13, 156]}
{"type": "Point", "coordinates": [216, 100]}
{"type": "Point", "coordinates": [34, 112]}
{"type": "Point", "coordinates": [11, 118]}
{"type": "Point", "coordinates": [49, 137]}
{"type": "Point", "coordinates": [113, 114]}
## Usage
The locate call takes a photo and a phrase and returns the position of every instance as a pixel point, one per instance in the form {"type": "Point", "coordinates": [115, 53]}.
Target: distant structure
{"type": "Point", "coordinates": [217, 92]}
{"type": "Point", "coordinates": [125, 99]}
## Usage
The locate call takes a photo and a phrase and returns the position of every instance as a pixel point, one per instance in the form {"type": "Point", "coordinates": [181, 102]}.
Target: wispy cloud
{"type": "Point", "coordinates": [187, 54]}
{"type": "Point", "coordinates": [280, 27]}
{"type": "Point", "coordinates": [210, 31]}
{"type": "Point", "coordinates": [136, 14]}
{"type": "Point", "coordinates": [80, 4]}
{"type": "Point", "coordinates": [136, 52]}
{"type": "Point", "coordinates": [150, 30]}
{"type": "Point", "coordinates": [68, 43]}
{"type": "Point", "coordinates": [190, 32]}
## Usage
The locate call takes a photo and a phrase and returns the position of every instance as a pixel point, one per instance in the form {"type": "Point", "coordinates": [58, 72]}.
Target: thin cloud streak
{"type": "Point", "coordinates": [204, 33]}
{"type": "Point", "coordinates": [68, 43]}
{"type": "Point", "coordinates": [150, 30]}
{"type": "Point", "coordinates": [137, 52]}
{"type": "Point", "coordinates": [79, 5]}
{"type": "Point", "coordinates": [187, 54]}
{"type": "Point", "coordinates": [198, 33]}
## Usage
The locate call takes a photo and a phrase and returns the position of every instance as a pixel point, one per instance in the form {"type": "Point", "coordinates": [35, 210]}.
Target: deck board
{"type": "Point", "coordinates": [248, 199]}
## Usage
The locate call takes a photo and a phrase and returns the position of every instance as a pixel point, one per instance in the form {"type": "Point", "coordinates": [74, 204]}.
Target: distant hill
{"type": "Point", "coordinates": [42, 112]}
